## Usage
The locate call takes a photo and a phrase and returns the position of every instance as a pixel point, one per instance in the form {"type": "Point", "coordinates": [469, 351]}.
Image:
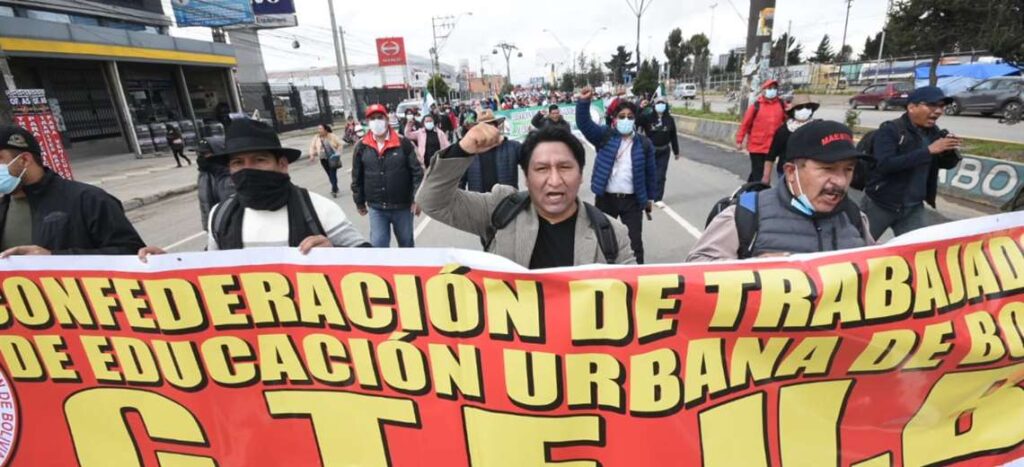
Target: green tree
{"type": "Point", "coordinates": [678, 52]}
{"type": "Point", "coordinates": [786, 45]}
{"type": "Point", "coordinates": [646, 81]}
{"type": "Point", "coordinates": [1003, 31]}
{"type": "Point", "coordinates": [568, 83]}
{"type": "Point", "coordinates": [620, 64]}
{"type": "Point", "coordinates": [698, 45]}
{"type": "Point", "coordinates": [438, 88]}
{"type": "Point", "coordinates": [871, 46]}
{"type": "Point", "coordinates": [732, 65]}
{"type": "Point", "coordinates": [595, 74]}
{"type": "Point", "coordinates": [823, 54]}
{"type": "Point", "coordinates": [844, 54]}
{"type": "Point", "coordinates": [931, 27]}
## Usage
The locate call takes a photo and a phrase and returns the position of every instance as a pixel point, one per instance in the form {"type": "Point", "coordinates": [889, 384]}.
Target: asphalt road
{"type": "Point", "coordinates": [704, 175]}
{"type": "Point", "coordinates": [971, 126]}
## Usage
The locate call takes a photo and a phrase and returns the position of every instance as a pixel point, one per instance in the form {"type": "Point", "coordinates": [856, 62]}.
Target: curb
{"type": "Point", "coordinates": [136, 203]}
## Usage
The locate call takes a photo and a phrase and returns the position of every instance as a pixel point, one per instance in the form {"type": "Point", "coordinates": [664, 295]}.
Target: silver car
{"type": "Point", "coordinates": [1004, 95]}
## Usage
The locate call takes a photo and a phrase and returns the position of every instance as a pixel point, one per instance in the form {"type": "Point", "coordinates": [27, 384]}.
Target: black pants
{"type": "Point", "coordinates": [332, 174]}
{"type": "Point", "coordinates": [661, 159]}
{"type": "Point", "coordinates": [757, 167]}
{"type": "Point", "coordinates": [625, 208]}
{"type": "Point", "coordinates": [179, 151]}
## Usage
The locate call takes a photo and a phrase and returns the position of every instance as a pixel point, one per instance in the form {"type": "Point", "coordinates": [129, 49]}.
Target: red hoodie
{"type": "Point", "coordinates": [762, 123]}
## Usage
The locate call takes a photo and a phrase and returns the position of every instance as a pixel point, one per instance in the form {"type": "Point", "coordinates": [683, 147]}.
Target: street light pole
{"type": "Point", "coordinates": [506, 49]}
{"type": "Point", "coordinates": [711, 37]}
{"type": "Point", "coordinates": [839, 79]}
{"type": "Point", "coordinates": [337, 56]}
{"type": "Point", "coordinates": [639, 7]}
{"type": "Point", "coordinates": [881, 45]}
{"type": "Point", "coordinates": [585, 44]}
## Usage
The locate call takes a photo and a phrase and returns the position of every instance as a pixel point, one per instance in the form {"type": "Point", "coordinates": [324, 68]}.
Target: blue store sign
{"type": "Point", "coordinates": [273, 7]}
{"type": "Point", "coordinates": [212, 13]}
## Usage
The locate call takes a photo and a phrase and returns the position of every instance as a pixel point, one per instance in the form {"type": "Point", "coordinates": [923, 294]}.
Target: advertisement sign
{"type": "Point", "coordinates": [212, 13]}
{"type": "Point", "coordinates": [310, 102]}
{"type": "Point", "coordinates": [907, 354]}
{"type": "Point", "coordinates": [390, 51]}
{"type": "Point", "coordinates": [273, 7]}
{"type": "Point", "coordinates": [32, 112]}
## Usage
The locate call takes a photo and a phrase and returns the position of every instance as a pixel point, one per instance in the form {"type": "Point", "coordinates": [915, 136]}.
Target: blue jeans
{"type": "Point", "coordinates": [383, 220]}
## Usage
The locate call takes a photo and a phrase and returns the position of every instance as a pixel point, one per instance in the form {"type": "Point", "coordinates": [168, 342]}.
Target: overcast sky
{"type": "Point", "coordinates": [522, 22]}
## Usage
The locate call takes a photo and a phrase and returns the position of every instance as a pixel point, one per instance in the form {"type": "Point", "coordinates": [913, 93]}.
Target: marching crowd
{"type": "Point", "coordinates": [455, 164]}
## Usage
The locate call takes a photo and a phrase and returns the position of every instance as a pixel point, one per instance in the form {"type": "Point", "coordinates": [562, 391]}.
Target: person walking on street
{"type": "Point", "coordinates": [808, 212]}
{"type": "Point", "coordinates": [660, 127]}
{"type": "Point", "coordinates": [44, 214]}
{"type": "Point", "coordinates": [800, 112]}
{"type": "Point", "coordinates": [553, 118]}
{"type": "Point", "coordinates": [428, 139]}
{"type": "Point", "coordinates": [498, 165]}
{"type": "Point", "coordinates": [177, 144]}
{"type": "Point", "coordinates": [547, 225]}
{"type": "Point", "coordinates": [910, 151]}
{"type": "Point", "coordinates": [267, 209]}
{"type": "Point", "coordinates": [326, 147]}
{"type": "Point", "coordinates": [759, 124]}
{"type": "Point", "coordinates": [214, 182]}
{"type": "Point", "coordinates": [386, 173]}
{"type": "Point", "coordinates": [625, 175]}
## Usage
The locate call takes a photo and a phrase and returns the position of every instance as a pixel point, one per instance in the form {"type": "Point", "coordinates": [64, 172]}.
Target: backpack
{"type": "Point", "coordinates": [510, 207]}
{"type": "Point", "coordinates": [747, 219]}
{"type": "Point", "coordinates": [227, 209]}
{"type": "Point", "coordinates": [867, 145]}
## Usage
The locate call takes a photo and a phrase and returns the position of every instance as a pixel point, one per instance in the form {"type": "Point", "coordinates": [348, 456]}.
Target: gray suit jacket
{"type": "Point", "coordinates": [441, 199]}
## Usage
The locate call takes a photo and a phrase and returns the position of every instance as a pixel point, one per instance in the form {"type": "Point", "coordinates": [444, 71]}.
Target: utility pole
{"type": "Point", "coordinates": [639, 7]}
{"type": "Point", "coordinates": [349, 94]}
{"type": "Point", "coordinates": [881, 45]}
{"type": "Point", "coordinates": [446, 24]}
{"type": "Point", "coordinates": [849, 4]}
{"type": "Point", "coordinates": [789, 37]}
{"type": "Point", "coordinates": [506, 49]}
{"type": "Point", "coordinates": [338, 47]}
{"type": "Point", "coordinates": [711, 37]}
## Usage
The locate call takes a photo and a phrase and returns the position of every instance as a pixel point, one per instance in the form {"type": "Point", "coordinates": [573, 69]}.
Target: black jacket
{"type": "Point", "coordinates": [899, 153]}
{"type": "Point", "coordinates": [72, 218]}
{"type": "Point", "coordinates": [387, 181]}
{"type": "Point", "coordinates": [541, 121]}
{"type": "Point", "coordinates": [661, 129]}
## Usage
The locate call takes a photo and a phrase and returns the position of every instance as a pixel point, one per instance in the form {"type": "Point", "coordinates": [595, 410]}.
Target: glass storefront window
{"type": "Point", "coordinates": [48, 16]}
{"type": "Point", "coordinates": [6, 11]}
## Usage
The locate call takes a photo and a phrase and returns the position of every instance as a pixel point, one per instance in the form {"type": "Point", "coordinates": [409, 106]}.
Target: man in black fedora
{"type": "Point", "coordinates": [267, 209]}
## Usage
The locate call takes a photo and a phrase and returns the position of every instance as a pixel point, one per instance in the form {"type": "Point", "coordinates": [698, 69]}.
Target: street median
{"type": "Point", "coordinates": [979, 179]}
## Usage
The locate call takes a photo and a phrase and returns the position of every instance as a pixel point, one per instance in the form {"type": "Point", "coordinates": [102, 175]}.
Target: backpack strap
{"type": "Point", "coordinates": [222, 215]}
{"type": "Point", "coordinates": [605, 233]}
{"type": "Point", "coordinates": [309, 212]}
{"type": "Point", "coordinates": [746, 223]}
{"type": "Point", "coordinates": [853, 213]}
{"type": "Point", "coordinates": [506, 210]}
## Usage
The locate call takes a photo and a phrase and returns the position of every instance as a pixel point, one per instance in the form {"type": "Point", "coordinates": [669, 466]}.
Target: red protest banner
{"type": "Point", "coordinates": [32, 112]}
{"type": "Point", "coordinates": [391, 51]}
{"type": "Point", "coordinates": [907, 354]}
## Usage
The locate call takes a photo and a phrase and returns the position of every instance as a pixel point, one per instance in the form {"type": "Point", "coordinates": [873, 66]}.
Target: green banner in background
{"type": "Point", "coordinates": [517, 121]}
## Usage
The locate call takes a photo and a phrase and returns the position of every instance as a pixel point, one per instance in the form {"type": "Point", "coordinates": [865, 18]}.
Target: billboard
{"type": "Point", "coordinates": [273, 7]}
{"type": "Point", "coordinates": [212, 13]}
{"type": "Point", "coordinates": [34, 113]}
{"type": "Point", "coordinates": [390, 51]}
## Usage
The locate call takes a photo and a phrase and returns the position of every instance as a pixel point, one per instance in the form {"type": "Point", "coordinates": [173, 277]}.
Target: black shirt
{"type": "Point", "coordinates": [555, 244]}
{"type": "Point", "coordinates": [432, 146]}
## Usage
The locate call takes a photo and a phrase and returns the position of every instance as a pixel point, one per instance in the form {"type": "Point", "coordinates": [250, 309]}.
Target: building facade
{"type": "Point", "coordinates": [114, 76]}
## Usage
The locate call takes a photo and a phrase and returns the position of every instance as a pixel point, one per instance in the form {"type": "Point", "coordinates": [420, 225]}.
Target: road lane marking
{"type": "Point", "coordinates": [689, 228]}
{"type": "Point", "coordinates": [420, 228]}
{"type": "Point", "coordinates": [184, 241]}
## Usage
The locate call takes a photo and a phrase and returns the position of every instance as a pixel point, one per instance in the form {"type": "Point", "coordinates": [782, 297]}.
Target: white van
{"type": "Point", "coordinates": [685, 91]}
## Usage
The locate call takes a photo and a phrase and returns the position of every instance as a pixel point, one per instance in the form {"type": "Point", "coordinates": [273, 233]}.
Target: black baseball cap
{"type": "Point", "coordinates": [825, 141]}
{"type": "Point", "coordinates": [929, 95]}
{"type": "Point", "coordinates": [19, 139]}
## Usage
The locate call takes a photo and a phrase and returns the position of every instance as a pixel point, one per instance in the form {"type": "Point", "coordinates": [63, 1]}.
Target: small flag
{"type": "Point", "coordinates": [428, 100]}
{"type": "Point", "coordinates": [660, 92]}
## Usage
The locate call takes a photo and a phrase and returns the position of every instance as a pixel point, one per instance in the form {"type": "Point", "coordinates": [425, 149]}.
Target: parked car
{"type": "Point", "coordinates": [883, 96]}
{"type": "Point", "coordinates": [1004, 95]}
{"type": "Point", "coordinates": [685, 91]}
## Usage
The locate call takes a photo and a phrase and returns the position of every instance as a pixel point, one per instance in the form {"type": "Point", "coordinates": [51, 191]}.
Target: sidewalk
{"type": "Point", "coordinates": [141, 182]}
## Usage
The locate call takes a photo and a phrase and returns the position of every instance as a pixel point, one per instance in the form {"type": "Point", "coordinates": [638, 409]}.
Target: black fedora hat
{"type": "Point", "coordinates": [248, 135]}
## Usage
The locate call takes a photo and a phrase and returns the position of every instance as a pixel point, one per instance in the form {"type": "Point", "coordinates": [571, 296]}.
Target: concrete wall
{"type": "Point", "coordinates": [983, 180]}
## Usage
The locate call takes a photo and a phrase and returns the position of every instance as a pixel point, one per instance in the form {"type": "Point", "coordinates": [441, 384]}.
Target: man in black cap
{"type": "Point", "coordinates": [267, 210]}
{"type": "Point", "coordinates": [214, 182]}
{"type": "Point", "coordinates": [43, 214]}
{"type": "Point", "coordinates": [910, 151]}
{"type": "Point", "coordinates": [809, 213]}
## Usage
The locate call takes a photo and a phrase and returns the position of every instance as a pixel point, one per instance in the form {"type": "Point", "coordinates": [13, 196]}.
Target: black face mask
{"type": "Point", "coordinates": [262, 190]}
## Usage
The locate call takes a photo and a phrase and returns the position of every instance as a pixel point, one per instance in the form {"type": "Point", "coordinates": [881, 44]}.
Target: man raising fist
{"type": "Point", "coordinates": [539, 228]}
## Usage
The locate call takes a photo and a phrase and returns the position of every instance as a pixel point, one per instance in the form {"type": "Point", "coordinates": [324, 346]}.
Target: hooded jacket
{"type": "Point", "coordinates": [761, 121]}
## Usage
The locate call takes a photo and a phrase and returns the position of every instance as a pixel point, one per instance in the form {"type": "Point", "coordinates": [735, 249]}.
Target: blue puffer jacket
{"type": "Point", "coordinates": [507, 157]}
{"type": "Point", "coordinates": [644, 167]}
